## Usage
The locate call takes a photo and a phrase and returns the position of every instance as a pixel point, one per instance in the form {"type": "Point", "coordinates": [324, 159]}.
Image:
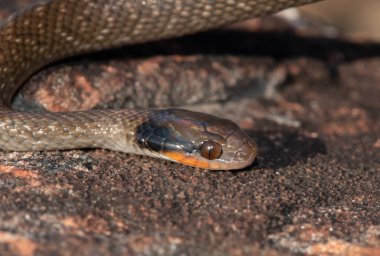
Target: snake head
{"type": "Point", "coordinates": [196, 139]}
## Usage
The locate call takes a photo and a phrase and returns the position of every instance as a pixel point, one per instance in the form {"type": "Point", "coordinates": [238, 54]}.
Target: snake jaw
{"type": "Point", "coordinates": [189, 160]}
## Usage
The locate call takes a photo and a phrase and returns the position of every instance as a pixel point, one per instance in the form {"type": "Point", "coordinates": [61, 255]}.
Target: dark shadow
{"type": "Point", "coordinates": [279, 149]}
{"type": "Point", "coordinates": [279, 45]}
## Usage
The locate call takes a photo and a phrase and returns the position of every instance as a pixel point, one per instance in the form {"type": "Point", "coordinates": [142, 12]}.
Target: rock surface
{"type": "Point", "coordinates": [311, 103]}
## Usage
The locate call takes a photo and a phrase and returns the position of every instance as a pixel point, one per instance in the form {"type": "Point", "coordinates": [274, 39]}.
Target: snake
{"type": "Point", "coordinates": [52, 30]}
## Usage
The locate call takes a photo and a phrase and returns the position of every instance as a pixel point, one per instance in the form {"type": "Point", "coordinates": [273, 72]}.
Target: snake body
{"type": "Point", "coordinates": [57, 29]}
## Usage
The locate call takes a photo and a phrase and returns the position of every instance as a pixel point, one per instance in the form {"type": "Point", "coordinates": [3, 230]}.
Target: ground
{"type": "Point", "coordinates": [311, 103]}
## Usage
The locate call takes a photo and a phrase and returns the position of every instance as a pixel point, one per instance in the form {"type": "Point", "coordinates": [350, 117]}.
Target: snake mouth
{"type": "Point", "coordinates": [243, 157]}
{"type": "Point", "coordinates": [205, 164]}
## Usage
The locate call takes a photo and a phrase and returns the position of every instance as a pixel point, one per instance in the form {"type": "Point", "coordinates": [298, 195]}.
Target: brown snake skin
{"type": "Point", "coordinates": [58, 29]}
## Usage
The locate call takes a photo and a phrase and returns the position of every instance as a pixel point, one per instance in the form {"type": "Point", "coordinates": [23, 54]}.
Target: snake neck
{"type": "Point", "coordinates": [110, 129]}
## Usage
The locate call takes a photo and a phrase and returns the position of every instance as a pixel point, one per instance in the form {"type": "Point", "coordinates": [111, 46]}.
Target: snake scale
{"type": "Point", "coordinates": [56, 29]}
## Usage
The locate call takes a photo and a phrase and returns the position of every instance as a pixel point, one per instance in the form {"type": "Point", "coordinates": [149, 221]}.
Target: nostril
{"type": "Point", "coordinates": [241, 155]}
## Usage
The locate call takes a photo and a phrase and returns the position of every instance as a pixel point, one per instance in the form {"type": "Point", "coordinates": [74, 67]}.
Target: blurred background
{"type": "Point", "coordinates": [353, 17]}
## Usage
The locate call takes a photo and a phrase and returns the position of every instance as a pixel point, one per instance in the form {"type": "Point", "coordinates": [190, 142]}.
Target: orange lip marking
{"type": "Point", "coordinates": [187, 160]}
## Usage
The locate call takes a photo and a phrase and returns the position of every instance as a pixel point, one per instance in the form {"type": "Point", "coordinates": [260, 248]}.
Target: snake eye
{"type": "Point", "coordinates": [211, 150]}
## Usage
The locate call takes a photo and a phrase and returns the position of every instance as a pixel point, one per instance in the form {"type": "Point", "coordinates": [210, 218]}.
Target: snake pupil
{"type": "Point", "coordinates": [211, 150]}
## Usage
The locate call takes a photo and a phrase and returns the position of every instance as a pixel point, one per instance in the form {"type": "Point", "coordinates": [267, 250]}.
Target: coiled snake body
{"type": "Point", "coordinates": [56, 29]}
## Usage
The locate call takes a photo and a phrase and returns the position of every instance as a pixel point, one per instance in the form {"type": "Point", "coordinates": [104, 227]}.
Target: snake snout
{"type": "Point", "coordinates": [243, 149]}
